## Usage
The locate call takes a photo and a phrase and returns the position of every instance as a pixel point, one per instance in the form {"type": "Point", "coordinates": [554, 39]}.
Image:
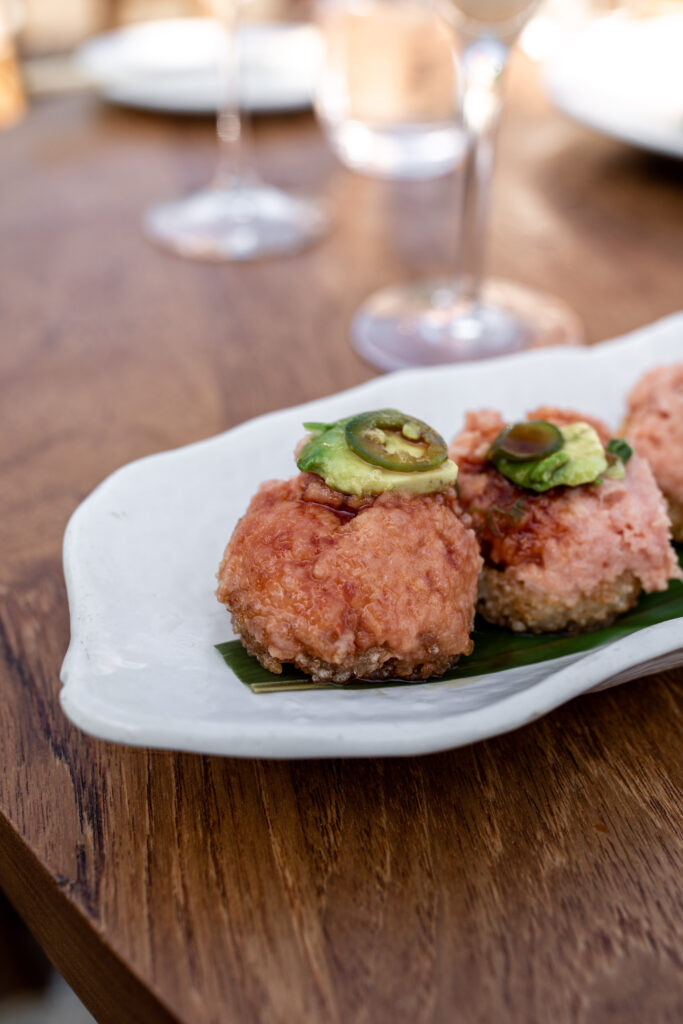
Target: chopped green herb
{"type": "Point", "coordinates": [622, 449]}
{"type": "Point", "coordinates": [317, 428]}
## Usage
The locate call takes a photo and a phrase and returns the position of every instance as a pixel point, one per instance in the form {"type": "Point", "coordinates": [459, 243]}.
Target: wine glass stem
{"type": "Point", "coordinates": [483, 63]}
{"type": "Point", "coordinates": [232, 126]}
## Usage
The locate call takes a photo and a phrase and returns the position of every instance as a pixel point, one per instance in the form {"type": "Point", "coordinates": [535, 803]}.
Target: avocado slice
{"type": "Point", "coordinates": [580, 460]}
{"type": "Point", "coordinates": [328, 454]}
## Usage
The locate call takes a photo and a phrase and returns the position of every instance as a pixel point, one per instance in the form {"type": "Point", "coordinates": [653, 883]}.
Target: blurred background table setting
{"type": "Point", "coordinates": [213, 209]}
{"type": "Point", "coordinates": [404, 90]}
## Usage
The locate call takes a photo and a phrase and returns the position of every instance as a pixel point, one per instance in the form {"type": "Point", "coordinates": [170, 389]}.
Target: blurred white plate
{"type": "Point", "coordinates": [624, 77]}
{"type": "Point", "coordinates": [141, 553]}
{"type": "Point", "coordinates": [172, 65]}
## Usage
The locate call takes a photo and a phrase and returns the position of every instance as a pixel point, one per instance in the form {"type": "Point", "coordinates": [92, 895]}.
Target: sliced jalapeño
{"type": "Point", "coordinates": [392, 440]}
{"type": "Point", "coordinates": [526, 442]}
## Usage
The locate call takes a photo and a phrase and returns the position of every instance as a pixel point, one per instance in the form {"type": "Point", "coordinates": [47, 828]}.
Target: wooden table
{"type": "Point", "coordinates": [533, 878]}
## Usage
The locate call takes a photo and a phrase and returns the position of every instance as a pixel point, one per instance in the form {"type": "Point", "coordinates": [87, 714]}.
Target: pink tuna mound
{"type": "Point", "coordinates": [347, 587]}
{"type": "Point", "coordinates": [571, 558]}
{"type": "Point", "coordinates": [654, 426]}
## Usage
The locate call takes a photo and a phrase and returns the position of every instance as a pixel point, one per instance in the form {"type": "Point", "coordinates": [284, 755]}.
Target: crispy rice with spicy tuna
{"type": "Point", "coordinates": [654, 426]}
{"type": "Point", "coordinates": [572, 526]}
{"type": "Point", "coordinates": [359, 566]}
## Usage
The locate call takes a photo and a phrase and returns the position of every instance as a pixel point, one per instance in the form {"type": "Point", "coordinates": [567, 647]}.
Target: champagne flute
{"type": "Point", "coordinates": [467, 317]}
{"type": "Point", "coordinates": [237, 216]}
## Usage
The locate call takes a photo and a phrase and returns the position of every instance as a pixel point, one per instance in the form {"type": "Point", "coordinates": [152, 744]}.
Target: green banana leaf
{"type": "Point", "coordinates": [495, 648]}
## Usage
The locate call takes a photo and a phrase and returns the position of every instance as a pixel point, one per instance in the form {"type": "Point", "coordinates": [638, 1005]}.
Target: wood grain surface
{"type": "Point", "coordinates": [532, 878]}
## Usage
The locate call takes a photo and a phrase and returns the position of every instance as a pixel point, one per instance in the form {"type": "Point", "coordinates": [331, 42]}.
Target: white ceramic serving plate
{"type": "Point", "coordinates": [624, 77]}
{"type": "Point", "coordinates": [173, 65]}
{"type": "Point", "coordinates": [141, 552]}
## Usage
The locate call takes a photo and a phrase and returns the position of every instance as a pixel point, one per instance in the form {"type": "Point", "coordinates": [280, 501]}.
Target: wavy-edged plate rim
{"type": "Point", "coordinates": [279, 725]}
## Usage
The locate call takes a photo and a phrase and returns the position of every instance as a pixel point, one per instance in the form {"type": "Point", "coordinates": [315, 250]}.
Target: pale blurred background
{"type": "Point", "coordinates": [396, 52]}
{"type": "Point", "coordinates": [48, 26]}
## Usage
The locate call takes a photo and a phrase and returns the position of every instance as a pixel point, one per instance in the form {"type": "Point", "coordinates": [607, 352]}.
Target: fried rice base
{"type": "Point", "coordinates": [506, 601]}
{"type": "Point", "coordinates": [370, 664]}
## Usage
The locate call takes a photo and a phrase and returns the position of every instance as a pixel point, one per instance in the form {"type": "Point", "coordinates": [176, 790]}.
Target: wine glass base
{"type": "Point", "coordinates": [243, 222]}
{"type": "Point", "coordinates": [425, 324]}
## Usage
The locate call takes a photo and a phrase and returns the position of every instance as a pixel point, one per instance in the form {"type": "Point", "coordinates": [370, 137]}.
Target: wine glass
{"type": "Point", "coordinates": [465, 316]}
{"type": "Point", "coordinates": [237, 216]}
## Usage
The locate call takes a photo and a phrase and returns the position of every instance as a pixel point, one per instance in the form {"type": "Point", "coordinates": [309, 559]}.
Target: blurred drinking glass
{"type": "Point", "coordinates": [387, 98]}
{"type": "Point", "coordinates": [12, 98]}
{"type": "Point", "coordinates": [466, 317]}
{"type": "Point", "coordinates": [237, 216]}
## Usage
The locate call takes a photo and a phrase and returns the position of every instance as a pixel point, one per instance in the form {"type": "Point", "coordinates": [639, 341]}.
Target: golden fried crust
{"type": "Point", "coordinates": [370, 664]}
{"type": "Point", "coordinates": [506, 601]}
{"type": "Point", "coordinates": [341, 587]}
